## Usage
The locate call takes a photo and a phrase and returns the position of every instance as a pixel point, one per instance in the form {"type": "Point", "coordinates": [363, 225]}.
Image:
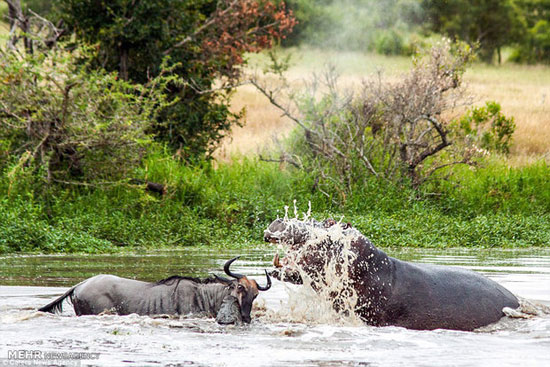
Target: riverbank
{"type": "Point", "coordinates": [230, 206]}
{"type": "Point", "coordinates": [501, 201]}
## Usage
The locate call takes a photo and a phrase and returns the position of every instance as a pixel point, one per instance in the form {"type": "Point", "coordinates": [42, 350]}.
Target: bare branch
{"type": "Point", "coordinates": [284, 158]}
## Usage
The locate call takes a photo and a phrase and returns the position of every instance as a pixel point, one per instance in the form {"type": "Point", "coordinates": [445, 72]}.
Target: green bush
{"type": "Point", "coordinates": [231, 205]}
{"type": "Point", "coordinates": [63, 123]}
{"type": "Point", "coordinates": [389, 42]}
{"type": "Point", "coordinates": [488, 127]}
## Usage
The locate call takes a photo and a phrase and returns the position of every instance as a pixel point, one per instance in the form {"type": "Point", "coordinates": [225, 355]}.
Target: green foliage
{"type": "Point", "coordinates": [24, 228]}
{"type": "Point", "coordinates": [363, 25]}
{"type": "Point", "coordinates": [488, 127]}
{"type": "Point", "coordinates": [206, 38]}
{"type": "Point", "coordinates": [535, 45]}
{"type": "Point", "coordinates": [203, 206]}
{"type": "Point", "coordinates": [62, 122]}
{"type": "Point", "coordinates": [396, 26]}
{"type": "Point", "coordinates": [491, 24]}
{"type": "Point", "coordinates": [389, 42]}
{"type": "Point", "coordinates": [42, 7]}
{"type": "Point", "coordinates": [133, 38]}
{"type": "Point", "coordinates": [231, 205]}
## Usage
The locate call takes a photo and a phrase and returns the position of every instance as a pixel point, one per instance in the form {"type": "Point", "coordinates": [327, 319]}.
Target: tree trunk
{"type": "Point", "coordinates": [124, 63]}
{"type": "Point", "coordinates": [17, 20]}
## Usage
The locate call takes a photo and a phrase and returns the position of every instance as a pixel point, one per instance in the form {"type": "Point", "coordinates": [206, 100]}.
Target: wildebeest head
{"type": "Point", "coordinates": [243, 289]}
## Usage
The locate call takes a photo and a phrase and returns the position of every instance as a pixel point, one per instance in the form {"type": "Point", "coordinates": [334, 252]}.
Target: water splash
{"type": "Point", "coordinates": [328, 295]}
{"type": "Point", "coordinates": [306, 215]}
{"type": "Point", "coordinates": [527, 309]}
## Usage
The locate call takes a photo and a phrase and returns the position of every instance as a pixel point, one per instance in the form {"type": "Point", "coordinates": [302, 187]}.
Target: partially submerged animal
{"type": "Point", "coordinates": [175, 295]}
{"type": "Point", "coordinates": [389, 291]}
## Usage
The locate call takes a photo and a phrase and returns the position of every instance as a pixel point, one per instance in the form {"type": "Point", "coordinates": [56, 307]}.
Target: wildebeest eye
{"type": "Point", "coordinates": [240, 288]}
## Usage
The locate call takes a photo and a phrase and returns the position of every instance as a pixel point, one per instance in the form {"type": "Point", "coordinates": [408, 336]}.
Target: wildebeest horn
{"type": "Point", "coordinates": [260, 288]}
{"type": "Point", "coordinates": [228, 272]}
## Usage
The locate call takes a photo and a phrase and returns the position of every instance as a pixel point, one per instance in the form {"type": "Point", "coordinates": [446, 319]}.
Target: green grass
{"type": "Point", "coordinates": [230, 206]}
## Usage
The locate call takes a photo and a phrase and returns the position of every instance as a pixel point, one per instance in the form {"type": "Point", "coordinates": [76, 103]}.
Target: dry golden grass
{"type": "Point", "coordinates": [522, 91]}
{"type": "Point", "coordinates": [263, 125]}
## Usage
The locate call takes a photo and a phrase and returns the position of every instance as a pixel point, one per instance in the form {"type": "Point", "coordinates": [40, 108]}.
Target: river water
{"type": "Point", "coordinates": [277, 336]}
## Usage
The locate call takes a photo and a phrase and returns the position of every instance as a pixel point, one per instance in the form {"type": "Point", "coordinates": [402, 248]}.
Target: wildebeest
{"type": "Point", "coordinates": [389, 291]}
{"type": "Point", "coordinates": [176, 295]}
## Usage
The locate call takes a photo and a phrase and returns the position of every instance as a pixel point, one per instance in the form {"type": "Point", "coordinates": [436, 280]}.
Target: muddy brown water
{"type": "Point", "coordinates": [273, 338]}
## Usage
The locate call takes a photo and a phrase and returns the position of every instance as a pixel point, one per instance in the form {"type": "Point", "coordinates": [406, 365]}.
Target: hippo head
{"type": "Point", "coordinates": [243, 292]}
{"type": "Point", "coordinates": [290, 232]}
{"type": "Point", "coordinates": [309, 246]}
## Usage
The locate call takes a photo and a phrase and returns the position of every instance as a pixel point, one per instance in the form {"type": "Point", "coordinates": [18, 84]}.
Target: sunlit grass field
{"type": "Point", "coordinates": [522, 90]}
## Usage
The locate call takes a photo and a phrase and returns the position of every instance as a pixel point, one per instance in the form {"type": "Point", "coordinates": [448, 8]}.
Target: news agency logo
{"type": "Point", "coordinates": [40, 363]}
{"type": "Point", "coordinates": [25, 354]}
{"type": "Point", "coordinates": [26, 357]}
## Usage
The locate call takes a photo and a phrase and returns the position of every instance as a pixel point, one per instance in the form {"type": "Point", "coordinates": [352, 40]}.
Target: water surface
{"type": "Point", "coordinates": [27, 282]}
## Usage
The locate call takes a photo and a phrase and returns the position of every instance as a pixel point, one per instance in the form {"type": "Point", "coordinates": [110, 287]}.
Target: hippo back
{"type": "Point", "coordinates": [426, 296]}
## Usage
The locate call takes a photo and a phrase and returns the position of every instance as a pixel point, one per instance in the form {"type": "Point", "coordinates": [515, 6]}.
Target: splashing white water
{"type": "Point", "coordinates": [324, 288]}
{"type": "Point", "coordinates": [306, 215]}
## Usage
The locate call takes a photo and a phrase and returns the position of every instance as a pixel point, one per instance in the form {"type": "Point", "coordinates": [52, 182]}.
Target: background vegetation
{"type": "Point", "coordinates": [398, 27]}
{"type": "Point", "coordinates": [107, 133]}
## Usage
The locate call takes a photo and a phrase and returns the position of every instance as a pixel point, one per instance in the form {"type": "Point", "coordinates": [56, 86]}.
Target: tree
{"type": "Point", "coordinates": [365, 25]}
{"type": "Point", "coordinates": [535, 47]}
{"type": "Point", "coordinates": [207, 39]}
{"type": "Point", "coordinates": [491, 24]}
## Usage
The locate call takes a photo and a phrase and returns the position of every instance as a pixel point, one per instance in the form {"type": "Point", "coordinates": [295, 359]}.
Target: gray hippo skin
{"type": "Point", "coordinates": [395, 292]}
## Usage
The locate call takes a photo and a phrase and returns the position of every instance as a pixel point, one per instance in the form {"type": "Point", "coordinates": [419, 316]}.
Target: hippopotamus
{"type": "Point", "coordinates": [388, 291]}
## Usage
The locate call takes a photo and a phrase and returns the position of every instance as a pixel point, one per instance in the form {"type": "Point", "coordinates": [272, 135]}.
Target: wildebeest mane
{"type": "Point", "coordinates": [178, 278]}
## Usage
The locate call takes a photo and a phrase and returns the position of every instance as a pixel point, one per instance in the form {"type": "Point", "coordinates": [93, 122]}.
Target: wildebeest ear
{"type": "Point", "coordinates": [223, 280]}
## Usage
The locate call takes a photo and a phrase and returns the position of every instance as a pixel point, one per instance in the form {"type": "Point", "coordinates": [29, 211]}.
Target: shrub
{"type": "Point", "coordinates": [62, 122]}
{"type": "Point", "coordinates": [392, 131]}
{"type": "Point", "coordinates": [389, 42]}
{"type": "Point", "coordinates": [488, 127]}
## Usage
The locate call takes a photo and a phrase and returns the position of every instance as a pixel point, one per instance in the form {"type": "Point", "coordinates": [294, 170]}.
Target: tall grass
{"type": "Point", "coordinates": [231, 205]}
